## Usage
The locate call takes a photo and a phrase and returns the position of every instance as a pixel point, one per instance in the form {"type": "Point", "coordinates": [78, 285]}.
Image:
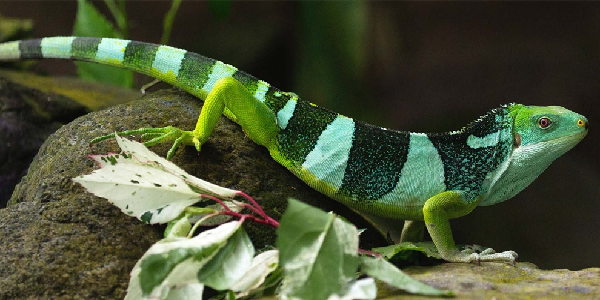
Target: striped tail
{"type": "Point", "coordinates": [187, 70]}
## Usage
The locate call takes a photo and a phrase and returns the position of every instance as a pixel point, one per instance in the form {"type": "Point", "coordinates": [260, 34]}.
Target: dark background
{"type": "Point", "coordinates": [426, 67]}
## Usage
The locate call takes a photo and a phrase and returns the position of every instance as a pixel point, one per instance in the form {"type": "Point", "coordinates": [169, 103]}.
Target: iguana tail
{"type": "Point", "coordinates": [187, 70]}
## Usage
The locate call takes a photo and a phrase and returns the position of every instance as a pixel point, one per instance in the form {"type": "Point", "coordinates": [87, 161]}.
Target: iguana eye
{"type": "Point", "coordinates": [544, 122]}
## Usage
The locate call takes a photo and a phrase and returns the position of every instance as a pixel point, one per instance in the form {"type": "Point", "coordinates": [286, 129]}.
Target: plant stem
{"type": "Point", "coordinates": [253, 207]}
{"type": "Point", "coordinates": [367, 252]}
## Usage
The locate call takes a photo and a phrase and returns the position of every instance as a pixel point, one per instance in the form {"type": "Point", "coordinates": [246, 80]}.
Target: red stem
{"type": "Point", "coordinates": [367, 252]}
{"type": "Point", "coordinates": [260, 211]}
{"type": "Point", "coordinates": [249, 217]}
{"type": "Point", "coordinates": [216, 200]}
{"type": "Point", "coordinates": [266, 219]}
{"type": "Point", "coordinates": [254, 207]}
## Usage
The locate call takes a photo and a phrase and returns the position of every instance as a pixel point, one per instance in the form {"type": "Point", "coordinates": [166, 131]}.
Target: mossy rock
{"type": "Point", "coordinates": [33, 107]}
{"type": "Point", "coordinates": [504, 281]}
{"type": "Point", "coordinates": [66, 242]}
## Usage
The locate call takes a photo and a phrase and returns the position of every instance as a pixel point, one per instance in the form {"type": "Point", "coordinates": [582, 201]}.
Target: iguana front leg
{"type": "Point", "coordinates": [229, 95]}
{"type": "Point", "coordinates": [452, 204]}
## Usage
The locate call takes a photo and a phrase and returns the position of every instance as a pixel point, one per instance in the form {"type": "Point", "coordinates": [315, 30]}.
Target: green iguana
{"type": "Point", "coordinates": [421, 177]}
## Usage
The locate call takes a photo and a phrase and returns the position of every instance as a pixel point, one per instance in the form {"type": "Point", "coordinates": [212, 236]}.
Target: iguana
{"type": "Point", "coordinates": [424, 178]}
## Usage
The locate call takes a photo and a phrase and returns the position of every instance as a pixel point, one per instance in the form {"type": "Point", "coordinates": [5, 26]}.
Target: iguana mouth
{"type": "Point", "coordinates": [579, 135]}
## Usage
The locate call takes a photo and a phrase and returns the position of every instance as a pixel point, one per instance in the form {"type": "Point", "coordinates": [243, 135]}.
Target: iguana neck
{"type": "Point", "coordinates": [474, 155]}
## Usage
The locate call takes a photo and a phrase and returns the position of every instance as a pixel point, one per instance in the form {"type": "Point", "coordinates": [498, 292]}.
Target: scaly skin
{"type": "Point", "coordinates": [424, 178]}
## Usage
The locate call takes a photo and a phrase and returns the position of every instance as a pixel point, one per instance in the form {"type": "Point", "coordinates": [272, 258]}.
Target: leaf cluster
{"type": "Point", "coordinates": [316, 256]}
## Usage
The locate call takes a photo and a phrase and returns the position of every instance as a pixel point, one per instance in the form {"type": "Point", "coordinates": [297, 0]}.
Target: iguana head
{"type": "Point", "coordinates": [540, 135]}
{"type": "Point", "coordinates": [547, 129]}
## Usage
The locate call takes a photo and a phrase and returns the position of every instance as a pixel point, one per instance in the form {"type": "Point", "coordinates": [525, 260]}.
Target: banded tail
{"type": "Point", "coordinates": [189, 71]}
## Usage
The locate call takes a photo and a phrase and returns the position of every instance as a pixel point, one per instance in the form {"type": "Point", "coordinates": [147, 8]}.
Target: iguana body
{"type": "Point", "coordinates": [427, 178]}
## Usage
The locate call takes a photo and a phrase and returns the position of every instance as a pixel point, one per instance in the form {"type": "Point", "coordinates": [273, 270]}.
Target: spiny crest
{"type": "Point", "coordinates": [492, 121]}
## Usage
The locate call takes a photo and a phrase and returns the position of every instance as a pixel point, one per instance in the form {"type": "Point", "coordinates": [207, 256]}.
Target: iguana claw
{"type": "Point", "coordinates": [477, 254]}
{"type": "Point", "coordinates": [153, 136]}
{"type": "Point", "coordinates": [490, 254]}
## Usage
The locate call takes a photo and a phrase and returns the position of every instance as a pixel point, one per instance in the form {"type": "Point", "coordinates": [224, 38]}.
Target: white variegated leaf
{"type": "Point", "coordinates": [358, 290]}
{"type": "Point", "coordinates": [142, 154]}
{"type": "Point", "coordinates": [191, 291]}
{"type": "Point", "coordinates": [174, 263]}
{"type": "Point", "coordinates": [230, 264]}
{"type": "Point", "coordinates": [145, 185]}
{"type": "Point", "coordinates": [150, 194]}
{"type": "Point", "coordinates": [262, 265]}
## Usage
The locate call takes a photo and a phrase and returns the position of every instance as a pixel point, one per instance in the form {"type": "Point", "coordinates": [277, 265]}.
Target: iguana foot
{"type": "Point", "coordinates": [153, 136]}
{"type": "Point", "coordinates": [477, 254]}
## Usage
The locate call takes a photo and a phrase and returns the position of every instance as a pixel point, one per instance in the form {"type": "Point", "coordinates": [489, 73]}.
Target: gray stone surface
{"type": "Point", "coordinates": [58, 241]}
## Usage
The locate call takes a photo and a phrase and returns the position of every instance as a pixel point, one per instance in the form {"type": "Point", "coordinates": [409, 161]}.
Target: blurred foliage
{"type": "Point", "coordinates": [168, 21]}
{"type": "Point", "coordinates": [14, 29]}
{"type": "Point", "coordinates": [333, 55]}
{"type": "Point", "coordinates": [89, 22]}
{"type": "Point", "coordinates": [119, 13]}
{"type": "Point", "coordinates": [219, 8]}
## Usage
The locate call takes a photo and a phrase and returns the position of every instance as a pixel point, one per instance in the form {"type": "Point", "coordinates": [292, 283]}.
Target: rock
{"type": "Point", "coordinates": [59, 241]}
{"type": "Point", "coordinates": [503, 281]}
{"type": "Point", "coordinates": [32, 107]}
{"type": "Point", "coordinates": [53, 251]}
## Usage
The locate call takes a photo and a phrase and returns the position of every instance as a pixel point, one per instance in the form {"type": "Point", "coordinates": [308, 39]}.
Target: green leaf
{"type": "Point", "coordinates": [119, 14]}
{"type": "Point", "coordinates": [317, 252]}
{"type": "Point", "coordinates": [343, 27]}
{"type": "Point", "coordinates": [405, 252]}
{"type": "Point", "coordinates": [383, 270]}
{"type": "Point", "coordinates": [90, 23]}
{"type": "Point", "coordinates": [230, 264]}
{"type": "Point", "coordinates": [176, 262]}
{"type": "Point", "coordinates": [14, 29]}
